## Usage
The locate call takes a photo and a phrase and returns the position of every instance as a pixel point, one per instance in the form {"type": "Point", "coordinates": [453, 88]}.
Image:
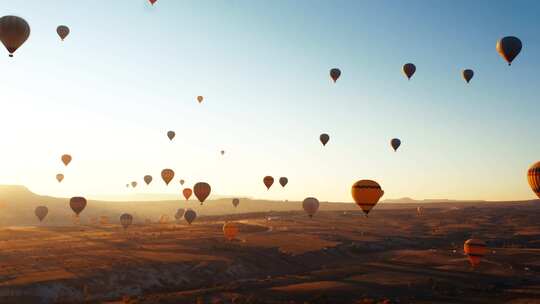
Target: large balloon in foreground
{"type": "Point", "coordinates": [230, 230]}
{"type": "Point", "coordinates": [62, 31]}
{"type": "Point", "coordinates": [179, 214]}
{"type": "Point", "coordinates": [13, 32]}
{"type": "Point", "coordinates": [59, 177]}
{"type": "Point", "coordinates": [311, 205]}
{"type": "Point", "coordinates": [283, 181]}
{"type": "Point", "coordinates": [235, 202]}
{"type": "Point", "coordinates": [366, 193]}
{"type": "Point", "coordinates": [77, 204]}
{"type": "Point", "coordinates": [66, 159]}
{"type": "Point", "coordinates": [41, 212]}
{"type": "Point", "coordinates": [202, 191]}
{"type": "Point", "coordinates": [190, 216]}
{"type": "Point", "coordinates": [133, 184]}
{"type": "Point", "coordinates": [268, 181]}
{"type": "Point", "coordinates": [409, 69]}
{"type": "Point", "coordinates": [509, 47]}
{"type": "Point", "coordinates": [126, 220]}
{"type": "Point", "coordinates": [167, 175]}
{"type": "Point", "coordinates": [395, 142]}
{"type": "Point", "coordinates": [467, 75]}
{"type": "Point", "coordinates": [200, 99]}
{"type": "Point", "coordinates": [533, 176]}
{"type": "Point", "coordinates": [187, 193]}
{"type": "Point", "coordinates": [475, 250]}
{"type": "Point", "coordinates": [148, 179]}
{"type": "Point", "coordinates": [334, 74]}
{"type": "Point", "coordinates": [324, 138]}
{"type": "Point", "coordinates": [171, 135]}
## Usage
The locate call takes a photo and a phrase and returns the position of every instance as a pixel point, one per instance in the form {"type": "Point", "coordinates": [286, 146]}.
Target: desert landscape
{"type": "Point", "coordinates": [280, 256]}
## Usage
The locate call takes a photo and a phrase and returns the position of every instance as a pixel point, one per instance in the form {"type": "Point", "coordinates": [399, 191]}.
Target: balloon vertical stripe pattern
{"type": "Point", "coordinates": [533, 176]}
{"type": "Point", "coordinates": [475, 250]}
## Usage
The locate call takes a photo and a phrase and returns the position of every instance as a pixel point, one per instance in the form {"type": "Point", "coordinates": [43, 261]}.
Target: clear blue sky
{"type": "Point", "coordinates": [130, 72]}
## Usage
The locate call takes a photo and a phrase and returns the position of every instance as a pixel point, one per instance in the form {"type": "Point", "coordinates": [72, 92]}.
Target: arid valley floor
{"type": "Point", "coordinates": [282, 257]}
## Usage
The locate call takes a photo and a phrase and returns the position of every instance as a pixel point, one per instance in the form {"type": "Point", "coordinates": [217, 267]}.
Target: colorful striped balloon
{"type": "Point", "coordinates": [475, 250]}
{"type": "Point", "coordinates": [534, 178]}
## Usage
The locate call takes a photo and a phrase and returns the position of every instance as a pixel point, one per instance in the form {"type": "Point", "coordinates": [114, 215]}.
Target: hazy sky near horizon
{"type": "Point", "coordinates": [129, 72]}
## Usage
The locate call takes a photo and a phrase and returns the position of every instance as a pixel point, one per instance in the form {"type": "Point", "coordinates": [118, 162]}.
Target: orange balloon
{"type": "Point", "coordinates": [66, 159]}
{"type": "Point", "coordinates": [366, 194]}
{"type": "Point", "coordinates": [475, 250]}
{"type": "Point", "coordinates": [187, 193]}
{"type": "Point", "coordinates": [268, 181]}
{"type": "Point", "coordinates": [230, 230]}
{"type": "Point", "coordinates": [533, 176]}
{"type": "Point", "coordinates": [167, 175]}
{"type": "Point", "coordinates": [200, 99]}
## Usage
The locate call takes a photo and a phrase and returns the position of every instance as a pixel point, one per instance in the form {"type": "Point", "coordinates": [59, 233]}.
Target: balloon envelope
{"type": "Point", "coordinates": [509, 47]}
{"type": "Point", "coordinates": [533, 176]}
{"type": "Point", "coordinates": [467, 75]}
{"type": "Point", "coordinates": [77, 204]}
{"type": "Point", "coordinates": [14, 31]}
{"type": "Point", "coordinates": [200, 99]}
{"type": "Point", "coordinates": [187, 193]}
{"type": "Point", "coordinates": [152, 1]}
{"type": "Point", "coordinates": [190, 216]}
{"type": "Point", "coordinates": [475, 250]}
{"type": "Point", "coordinates": [182, 182]}
{"type": "Point", "coordinates": [167, 175]}
{"type": "Point", "coordinates": [148, 179]}
{"type": "Point", "coordinates": [202, 191]}
{"type": "Point", "coordinates": [230, 230]}
{"type": "Point", "coordinates": [126, 220]}
{"type": "Point", "coordinates": [366, 194]}
{"type": "Point", "coordinates": [235, 202]}
{"type": "Point", "coordinates": [179, 213]}
{"type": "Point", "coordinates": [324, 138]}
{"type": "Point", "coordinates": [334, 74]}
{"type": "Point", "coordinates": [268, 181]}
{"type": "Point", "coordinates": [283, 181]}
{"type": "Point", "coordinates": [310, 205]}
{"type": "Point", "coordinates": [409, 69]}
{"type": "Point", "coordinates": [59, 177]}
{"type": "Point", "coordinates": [62, 31]}
{"type": "Point", "coordinates": [41, 212]}
{"type": "Point", "coordinates": [171, 135]}
{"type": "Point", "coordinates": [66, 159]}
{"type": "Point", "coordinates": [395, 142]}
{"type": "Point", "coordinates": [134, 184]}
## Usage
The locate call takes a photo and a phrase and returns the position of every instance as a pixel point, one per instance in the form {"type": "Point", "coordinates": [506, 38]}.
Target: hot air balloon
{"type": "Point", "coordinates": [13, 32]}
{"type": "Point", "coordinates": [311, 205]}
{"type": "Point", "coordinates": [475, 250]}
{"type": "Point", "coordinates": [126, 220]}
{"type": "Point", "coordinates": [202, 191]}
{"type": "Point", "coordinates": [268, 181]}
{"type": "Point", "coordinates": [467, 75]}
{"type": "Point", "coordinates": [133, 184]}
{"type": "Point", "coordinates": [66, 159]}
{"type": "Point", "coordinates": [41, 212]}
{"type": "Point", "coordinates": [187, 193]}
{"type": "Point", "coordinates": [167, 175]}
{"type": "Point", "coordinates": [190, 216]}
{"type": "Point", "coordinates": [366, 194]}
{"type": "Point", "coordinates": [222, 152]}
{"type": "Point", "coordinates": [59, 177]}
{"type": "Point", "coordinates": [324, 138]}
{"type": "Point", "coordinates": [509, 47]}
{"type": "Point", "coordinates": [235, 202]}
{"type": "Point", "coordinates": [77, 204]}
{"type": "Point", "coordinates": [395, 142]}
{"type": "Point", "coordinates": [420, 210]}
{"type": "Point", "coordinates": [62, 31]}
{"type": "Point", "coordinates": [127, 185]}
{"type": "Point", "coordinates": [171, 135]}
{"type": "Point", "coordinates": [230, 230]}
{"type": "Point", "coordinates": [148, 179]}
{"type": "Point", "coordinates": [409, 69]}
{"type": "Point", "coordinates": [533, 176]}
{"type": "Point", "coordinates": [179, 214]}
{"type": "Point", "coordinates": [283, 181]}
{"type": "Point", "coordinates": [152, 1]}
{"type": "Point", "coordinates": [200, 99]}
{"type": "Point", "coordinates": [182, 182]}
{"type": "Point", "coordinates": [334, 74]}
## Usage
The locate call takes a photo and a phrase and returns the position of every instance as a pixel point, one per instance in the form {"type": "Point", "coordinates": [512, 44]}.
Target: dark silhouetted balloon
{"type": "Point", "coordinates": [533, 176]}
{"type": "Point", "coordinates": [310, 205]}
{"type": "Point", "coordinates": [324, 138]}
{"type": "Point", "coordinates": [202, 191]}
{"type": "Point", "coordinates": [167, 175]}
{"type": "Point", "coordinates": [509, 47]}
{"type": "Point", "coordinates": [126, 220]}
{"type": "Point", "coordinates": [467, 75]}
{"type": "Point", "coordinates": [41, 212]}
{"type": "Point", "coordinates": [148, 179]}
{"type": "Point", "coordinates": [187, 193]}
{"type": "Point", "coordinates": [268, 181]}
{"type": "Point", "coordinates": [14, 31]}
{"type": "Point", "coordinates": [395, 142]}
{"type": "Point", "coordinates": [62, 31]}
{"type": "Point", "coordinates": [334, 74]}
{"type": "Point", "coordinates": [190, 216]}
{"type": "Point", "coordinates": [182, 182]}
{"type": "Point", "coordinates": [366, 194]}
{"type": "Point", "coordinates": [475, 250]}
{"type": "Point", "coordinates": [409, 69]}
{"type": "Point", "coordinates": [77, 204]}
{"type": "Point", "coordinates": [235, 202]}
{"type": "Point", "coordinates": [283, 181]}
{"type": "Point", "coordinates": [152, 1]}
{"type": "Point", "coordinates": [171, 135]}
